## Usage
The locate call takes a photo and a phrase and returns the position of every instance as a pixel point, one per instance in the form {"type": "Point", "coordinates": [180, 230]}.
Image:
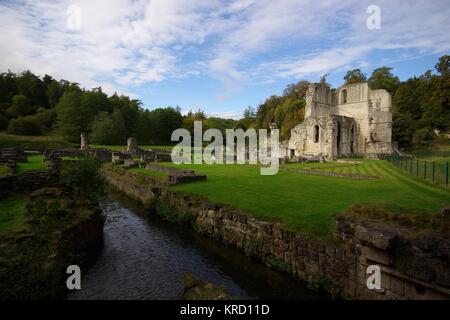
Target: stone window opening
{"type": "Point", "coordinates": [316, 133]}
{"type": "Point", "coordinates": [344, 96]}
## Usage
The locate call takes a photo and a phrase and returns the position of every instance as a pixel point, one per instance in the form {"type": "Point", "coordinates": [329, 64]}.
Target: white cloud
{"type": "Point", "coordinates": [236, 115]}
{"type": "Point", "coordinates": [125, 43]}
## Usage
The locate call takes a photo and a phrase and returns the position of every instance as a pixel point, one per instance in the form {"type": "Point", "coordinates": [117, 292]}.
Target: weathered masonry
{"type": "Point", "coordinates": [351, 120]}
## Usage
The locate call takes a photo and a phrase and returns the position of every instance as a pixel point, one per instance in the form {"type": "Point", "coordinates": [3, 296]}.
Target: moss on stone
{"type": "Point", "coordinates": [278, 264]}
{"type": "Point", "coordinates": [195, 289]}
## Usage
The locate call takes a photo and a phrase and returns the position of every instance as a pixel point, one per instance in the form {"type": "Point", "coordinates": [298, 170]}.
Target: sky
{"type": "Point", "coordinates": [219, 56]}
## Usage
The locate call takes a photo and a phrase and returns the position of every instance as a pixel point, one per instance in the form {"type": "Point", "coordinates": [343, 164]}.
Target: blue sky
{"type": "Point", "coordinates": [220, 56]}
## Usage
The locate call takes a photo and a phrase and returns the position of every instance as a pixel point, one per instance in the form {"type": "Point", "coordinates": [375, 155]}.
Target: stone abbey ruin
{"type": "Point", "coordinates": [350, 120]}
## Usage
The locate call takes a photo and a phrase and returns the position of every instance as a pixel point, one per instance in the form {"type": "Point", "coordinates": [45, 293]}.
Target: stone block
{"type": "Point", "coordinates": [397, 286]}
{"type": "Point", "coordinates": [375, 255]}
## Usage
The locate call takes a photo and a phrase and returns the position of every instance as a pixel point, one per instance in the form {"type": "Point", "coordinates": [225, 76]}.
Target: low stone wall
{"type": "Point", "coordinates": [28, 181]}
{"type": "Point", "coordinates": [175, 175]}
{"type": "Point", "coordinates": [127, 183]}
{"type": "Point", "coordinates": [156, 155]}
{"type": "Point", "coordinates": [410, 269]}
{"type": "Point", "coordinates": [12, 154]}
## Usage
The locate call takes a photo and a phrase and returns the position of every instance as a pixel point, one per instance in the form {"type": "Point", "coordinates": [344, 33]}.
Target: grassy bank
{"type": "Point", "coordinates": [309, 203]}
{"type": "Point", "coordinates": [13, 214]}
{"type": "Point", "coordinates": [39, 238]}
{"type": "Point", "coordinates": [33, 142]}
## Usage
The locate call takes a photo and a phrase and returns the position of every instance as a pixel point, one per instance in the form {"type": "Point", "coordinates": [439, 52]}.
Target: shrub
{"type": "Point", "coordinates": [22, 105]}
{"type": "Point", "coordinates": [4, 122]}
{"type": "Point", "coordinates": [83, 177]}
{"type": "Point", "coordinates": [24, 126]}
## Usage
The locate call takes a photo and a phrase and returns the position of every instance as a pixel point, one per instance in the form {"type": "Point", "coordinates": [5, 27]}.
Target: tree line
{"type": "Point", "coordinates": [31, 105]}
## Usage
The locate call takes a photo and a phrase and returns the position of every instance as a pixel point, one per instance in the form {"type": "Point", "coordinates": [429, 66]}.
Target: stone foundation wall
{"type": "Point", "coordinates": [12, 154]}
{"type": "Point", "coordinates": [28, 181]}
{"type": "Point", "coordinates": [410, 269]}
{"type": "Point", "coordinates": [126, 183]}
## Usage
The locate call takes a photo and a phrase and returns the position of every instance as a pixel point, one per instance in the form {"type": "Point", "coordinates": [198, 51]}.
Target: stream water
{"type": "Point", "coordinates": [144, 257]}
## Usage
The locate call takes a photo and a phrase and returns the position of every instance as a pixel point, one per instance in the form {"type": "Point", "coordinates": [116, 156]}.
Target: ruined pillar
{"type": "Point", "coordinates": [83, 143]}
{"type": "Point", "coordinates": [132, 146]}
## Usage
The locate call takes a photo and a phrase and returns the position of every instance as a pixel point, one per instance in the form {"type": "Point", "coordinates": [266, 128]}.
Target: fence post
{"type": "Point", "coordinates": [410, 165]}
{"type": "Point", "coordinates": [417, 168]}
{"type": "Point", "coordinates": [425, 170]}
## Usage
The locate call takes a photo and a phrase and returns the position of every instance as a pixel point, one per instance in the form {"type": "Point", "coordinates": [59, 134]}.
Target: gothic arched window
{"type": "Point", "coordinates": [344, 96]}
{"type": "Point", "coordinates": [316, 133]}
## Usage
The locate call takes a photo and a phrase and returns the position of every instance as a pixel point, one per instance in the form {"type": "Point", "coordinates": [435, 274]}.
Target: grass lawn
{"type": "Point", "coordinates": [12, 214]}
{"type": "Point", "coordinates": [2, 169]}
{"type": "Point", "coordinates": [308, 203]}
{"type": "Point", "coordinates": [33, 142]}
{"type": "Point", "coordinates": [359, 166]}
{"type": "Point", "coordinates": [148, 172]}
{"type": "Point", "coordinates": [35, 162]}
{"type": "Point", "coordinates": [441, 160]}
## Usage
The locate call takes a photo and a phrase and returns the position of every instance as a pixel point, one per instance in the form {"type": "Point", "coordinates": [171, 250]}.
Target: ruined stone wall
{"type": "Point", "coordinates": [379, 131]}
{"type": "Point", "coordinates": [370, 110]}
{"type": "Point", "coordinates": [28, 181]}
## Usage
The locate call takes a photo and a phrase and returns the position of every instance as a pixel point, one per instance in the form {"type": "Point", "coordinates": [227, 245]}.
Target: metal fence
{"type": "Point", "coordinates": [435, 171]}
{"type": "Point", "coordinates": [432, 154]}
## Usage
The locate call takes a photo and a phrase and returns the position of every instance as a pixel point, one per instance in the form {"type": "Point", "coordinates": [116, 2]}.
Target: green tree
{"type": "Point", "coordinates": [8, 86]}
{"type": "Point", "coordinates": [21, 105]}
{"type": "Point", "coordinates": [354, 76]}
{"type": "Point", "coordinates": [4, 122]}
{"type": "Point", "coordinates": [382, 78]}
{"type": "Point", "coordinates": [443, 65]}
{"type": "Point", "coordinates": [33, 88]}
{"type": "Point", "coordinates": [109, 129]}
{"type": "Point", "coordinates": [24, 126]}
{"type": "Point", "coordinates": [83, 177]}
{"type": "Point", "coordinates": [54, 93]}
{"type": "Point", "coordinates": [71, 120]}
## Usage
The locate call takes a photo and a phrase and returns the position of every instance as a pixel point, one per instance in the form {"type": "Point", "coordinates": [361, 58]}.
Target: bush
{"type": "Point", "coordinates": [423, 137]}
{"type": "Point", "coordinates": [4, 122]}
{"type": "Point", "coordinates": [83, 177]}
{"type": "Point", "coordinates": [24, 126]}
{"type": "Point", "coordinates": [22, 105]}
{"type": "Point", "coordinates": [45, 118]}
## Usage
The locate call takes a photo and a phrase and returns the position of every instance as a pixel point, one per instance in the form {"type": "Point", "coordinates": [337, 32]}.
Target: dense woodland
{"type": "Point", "coordinates": [33, 105]}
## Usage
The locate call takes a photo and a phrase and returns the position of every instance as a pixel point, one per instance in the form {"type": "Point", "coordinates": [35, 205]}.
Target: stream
{"type": "Point", "coordinates": [144, 257]}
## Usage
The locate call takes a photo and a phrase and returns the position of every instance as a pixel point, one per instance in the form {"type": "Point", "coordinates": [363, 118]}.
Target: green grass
{"type": "Point", "coordinates": [2, 169]}
{"type": "Point", "coordinates": [35, 162]}
{"type": "Point", "coordinates": [13, 214]}
{"type": "Point", "coordinates": [359, 166]}
{"type": "Point", "coordinates": [308, 203]}
{"type": "Point", "coordinates": [33, 142]}
{"type": "Point", "coordinates": [440, 160]}
{"type": "Point", "coordinates": [148, 172]}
